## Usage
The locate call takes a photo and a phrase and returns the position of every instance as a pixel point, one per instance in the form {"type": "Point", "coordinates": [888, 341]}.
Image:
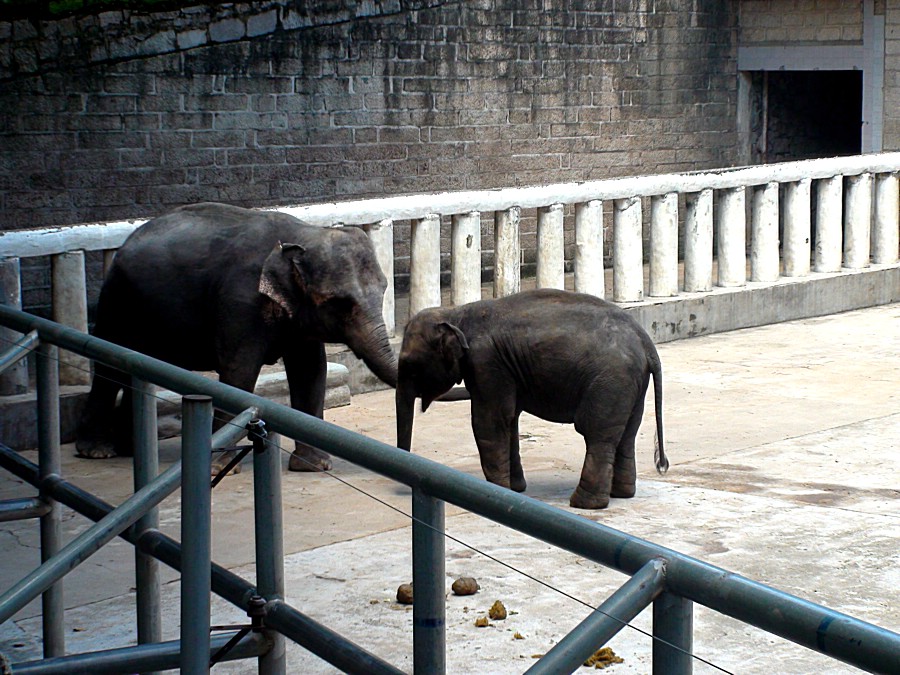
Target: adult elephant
{"type": "Point", "coordinates": [564, 357]}
{"type": "Point", "coordinates": [217, 287]}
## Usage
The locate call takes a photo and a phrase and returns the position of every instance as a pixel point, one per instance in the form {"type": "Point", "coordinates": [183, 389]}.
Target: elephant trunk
{"type": "Point", "coordinates": [406, 410]}
{"type": "Point", "coordinates": [373, 346]}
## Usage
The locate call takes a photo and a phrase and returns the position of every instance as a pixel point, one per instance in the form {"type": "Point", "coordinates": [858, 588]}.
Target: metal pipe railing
{"type": "Point", "coordinates": [50, 463]}
{"type": "Point", "coordinates": [196, 532]}
{"type": "Point", "coordinates": [22, 509]}
{"type": "Point", "coordinates": [304, 630]}
{"type": "Point", "coordinates": [143, 658]}
{"type": "Point", "coordinates": [673, 633]}
{"type": "Point", "coordinates": [832, 633]}
{"type": "Point", "coordinates": [20, 349]}
{"type": "Point", "coordinates": [429, 605]}
{"type": "Point", "coordinates": [55, 567]}
{"type": "Point", "coordinates": [269, 536]}
{"type": "Point", "coordinates": [148, 583]}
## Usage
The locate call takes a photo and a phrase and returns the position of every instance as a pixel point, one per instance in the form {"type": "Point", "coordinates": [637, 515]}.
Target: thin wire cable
{"type": "Point", "coordinates": [456, 540]}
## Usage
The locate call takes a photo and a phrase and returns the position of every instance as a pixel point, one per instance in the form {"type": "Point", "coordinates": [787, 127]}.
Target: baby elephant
{"type": "Point", "coordinates": [564, 357]}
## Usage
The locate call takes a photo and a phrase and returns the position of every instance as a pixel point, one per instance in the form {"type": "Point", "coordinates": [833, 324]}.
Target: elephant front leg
{"type": "Point", "coordinates": [516, 472]}
{"type": "Point", "coordinates": [595, 485]}
{"type": "Point", "coordinates": [493, 436]}
{"type": "Point", "coordinates": [306, 372]}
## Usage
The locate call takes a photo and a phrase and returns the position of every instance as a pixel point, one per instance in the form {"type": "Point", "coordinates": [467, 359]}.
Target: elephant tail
{"type": "Point", "coordinates": [659, 453]}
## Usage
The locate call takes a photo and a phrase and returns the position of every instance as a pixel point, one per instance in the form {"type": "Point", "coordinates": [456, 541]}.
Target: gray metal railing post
{"type": "Point", "coordinates": [50, 463]}
{"type": "Point", "coordinates": [673, 635]}
{"type": "Point", "coordinates": [269, 523]}
{"type": "Point", "coordinates": [429, 610]}
{"type": "Point", "coordinates": [146, 469]}
{"type": "Point", "coordinates": [196, 533]}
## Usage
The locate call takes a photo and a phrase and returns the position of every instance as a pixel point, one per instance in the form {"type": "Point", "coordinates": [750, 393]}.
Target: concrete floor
{"type": "Point", "coordinates": [783, 442]}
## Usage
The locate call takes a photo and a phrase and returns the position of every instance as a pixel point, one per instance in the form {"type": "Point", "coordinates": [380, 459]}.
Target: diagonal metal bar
{"type": "Point", "coordinates": [603, 623]}
{"type": "Point", "coordinates": [302, 629]}
{"type": "Point", "coordinates": [89, 542]}
{"type": "Point", "coordinates": [142, 658]}
{"type": "Point", "coordinates": [235, 428]}
{"type": "Point", "coordinates": [19, 350]}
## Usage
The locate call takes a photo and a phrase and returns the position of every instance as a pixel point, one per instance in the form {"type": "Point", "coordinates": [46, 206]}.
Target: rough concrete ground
{"type": "Point", "coordinates": [783, 442]}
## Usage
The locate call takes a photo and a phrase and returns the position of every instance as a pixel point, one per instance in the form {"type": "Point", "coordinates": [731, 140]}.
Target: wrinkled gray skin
{"type": "Point", "coordinates": [564, 357]}
{"type": "Point", "coordinates": [217, 287]}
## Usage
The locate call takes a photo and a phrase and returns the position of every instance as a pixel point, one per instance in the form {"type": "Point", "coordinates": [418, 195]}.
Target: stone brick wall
{"type": "Point", "coordinates": [787, 21]}
{"type": "Point", "coordinates": [119, 115]}
{"type": "Point", "coordinates": [892, 75]}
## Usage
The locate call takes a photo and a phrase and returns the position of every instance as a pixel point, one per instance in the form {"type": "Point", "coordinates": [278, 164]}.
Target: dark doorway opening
{"type": "Point", "coordinates": [805, 114]}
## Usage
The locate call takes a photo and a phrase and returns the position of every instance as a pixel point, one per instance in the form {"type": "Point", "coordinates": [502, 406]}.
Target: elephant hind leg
{"type": "Point", "coordinates": [241, 371]}
{"type": "Point", "coordinates": [595, 485]}
{"type": "Point", "coordinates": [624, 483]}
{"type": "Point", "coordinates": [97, 436]}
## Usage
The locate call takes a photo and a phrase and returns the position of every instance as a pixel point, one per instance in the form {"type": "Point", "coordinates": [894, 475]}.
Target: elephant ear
{"type": "Point", "coordinates": [279, 277]}
{"type": "Point", "coordinates": [453, 348]}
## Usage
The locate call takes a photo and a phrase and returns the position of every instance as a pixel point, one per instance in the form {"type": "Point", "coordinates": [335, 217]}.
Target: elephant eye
{"type": "Point", "coordinates": [338, 304]}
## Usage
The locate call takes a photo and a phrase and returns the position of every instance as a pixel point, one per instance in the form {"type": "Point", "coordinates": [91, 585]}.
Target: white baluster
{"type": "Point", "coordinates": [886, 233]}
{"type": "Point", "coordinates": [628, 260]}
{"type": "Point", "coordinates": [425, 264]}
{"type": "Point", "coordinates": [381, 234]}
{"type": "Point", "coordinates": [15, 379]}
{"type": "Point", "coordinates": [507, 254]}
{"type": "Point", "coordinates": [69, 292]}
{"type": "Point", "coordinates": [796, 229]}
{"type": "Point", "coordinates": [732, 246]}
{"type": "Point", "coordinates": [664, 245]}
{"type": "Point", "coordinates": [698, 241]}
{"type": "Point", "coordinates": [589, 274]}
{"type": "Point", "coordinates": [829, 224]}
{"type": "Point", "coordinates": [858, 225]}
{"type": "Point", "coordinates": [465, 258]}
{"type": "Point", "coordinates": [551, 263]}
{"type": "Point", "coordinates": [765, 264]}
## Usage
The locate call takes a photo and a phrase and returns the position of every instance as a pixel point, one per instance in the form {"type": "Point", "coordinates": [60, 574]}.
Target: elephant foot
{"type": "Point", "coordinates": [582, 499]}
{"type": "Point", "coordinates": [221, 460]}
{"type": "Point", "coordinates": [517, 484]}
{"type": "Point", "coordinates": [622, 490]}
{"type": "Point", "coordinates": [95, 449]}
{"type": "Point", "coordinates": [309, 459]}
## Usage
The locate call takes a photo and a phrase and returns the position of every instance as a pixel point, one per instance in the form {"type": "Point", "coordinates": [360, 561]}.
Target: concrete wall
{"type": "Point", "coordinates": [119, 115]}
{"type": "Point", "coordinates": [892, 75]}
{"type": "Point", "coordinates": [803, 35]}
{"type": "Point", "coordinates": [791, 21]}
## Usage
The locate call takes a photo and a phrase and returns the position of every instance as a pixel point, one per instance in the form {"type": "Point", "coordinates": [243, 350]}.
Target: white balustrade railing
{"type": "Point", "coordinates": [855, 223]}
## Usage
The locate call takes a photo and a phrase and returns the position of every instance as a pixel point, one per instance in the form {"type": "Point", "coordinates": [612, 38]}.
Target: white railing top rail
{"type": "Point", "coordinates": [361, 212]}
{"type": "Point", "coordinates": [99, 236]}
